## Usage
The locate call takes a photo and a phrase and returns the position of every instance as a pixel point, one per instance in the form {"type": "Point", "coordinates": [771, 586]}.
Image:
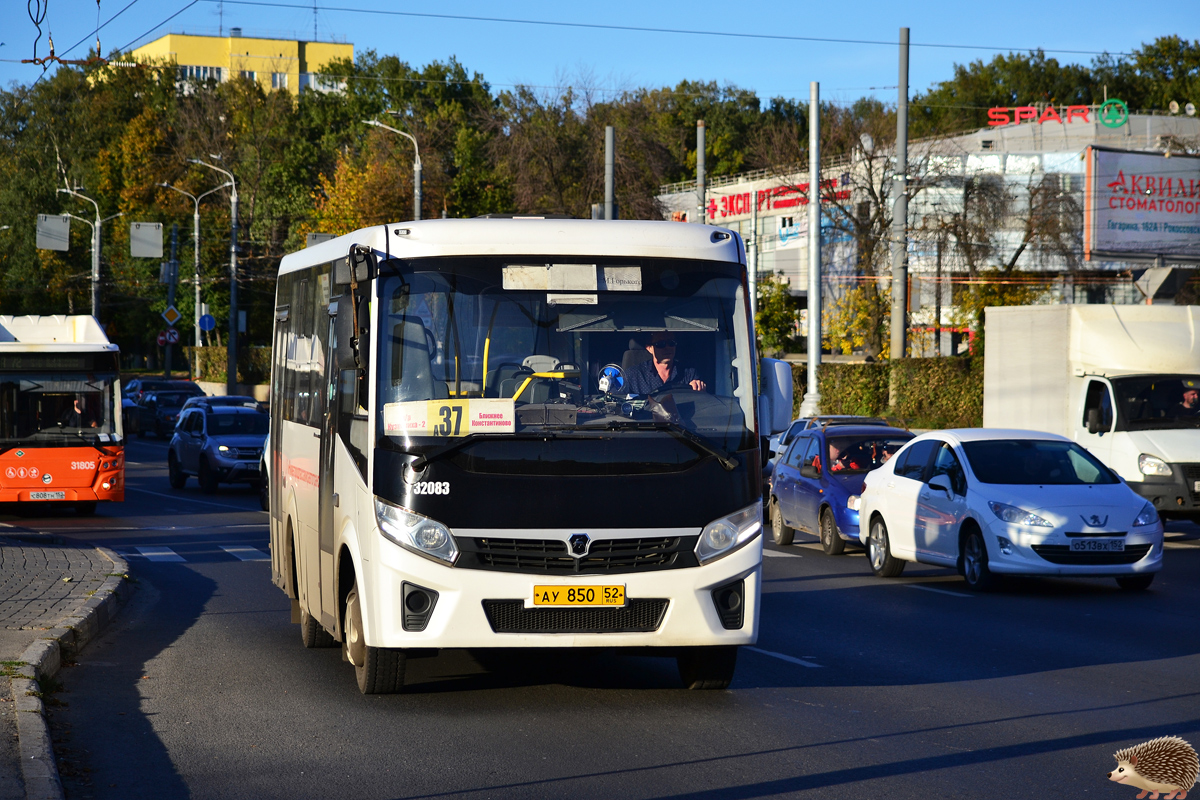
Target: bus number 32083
{"type": "Point", "coordinates": [431, 487]}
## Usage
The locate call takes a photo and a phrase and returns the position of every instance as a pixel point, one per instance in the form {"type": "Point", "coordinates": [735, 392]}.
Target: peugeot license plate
{"type": "Point", "coordinates": [579, 595]}
{"type": "Point", "coordinates": [1098, 546]}
{"type": "Point", "coordinates": [47, 495]}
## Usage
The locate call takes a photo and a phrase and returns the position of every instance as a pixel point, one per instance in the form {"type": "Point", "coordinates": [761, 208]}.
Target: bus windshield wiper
{"type": "Point", "coordinates": [469, 439]}
{"type": "Point", "coordinates": [728, 461]}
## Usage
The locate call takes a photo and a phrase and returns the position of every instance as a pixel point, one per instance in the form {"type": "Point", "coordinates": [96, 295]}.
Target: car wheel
{"type": "Point", "coordinates": [207, 477]}
{"type": "Point", "coordinates": [975, 564]}
{"type": "Point", "coordinates": [175, 474]}
{"type": "Point", "coordinates": [311, 632]}
{"type": "Point", "coordinates": [831, 542]}
{"type": "Point", "coordinates": [707, 667]}
{"type": "Point", "coordinates": [780, 532]}
{"type": "Point", "coordinates": [377, 670]}
{"type": "Point", "coordinates": [1135, 583]}
{"type": "Point", "coordinates": [879, 551]}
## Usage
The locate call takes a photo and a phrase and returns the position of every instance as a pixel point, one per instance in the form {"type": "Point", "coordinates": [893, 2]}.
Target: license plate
{"type": "Point", "coordinates": [1098, 546]}
{"type": "Point", "coordinates": [579, 595]}
{"type": "Point", "coordinates": [47, 495]}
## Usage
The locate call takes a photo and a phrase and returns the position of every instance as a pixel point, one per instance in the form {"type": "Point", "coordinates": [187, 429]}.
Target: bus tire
{"type": "Point", "coordinates": [377, 670]}
{"type": "Point", "coordinates": [207, 478]}
{"type": "Point", "coordinates": [311, 632]}
{"type": "Point", "coordinates": [707, 667]}
{"type": "Point", "coordinates": [86, 508]}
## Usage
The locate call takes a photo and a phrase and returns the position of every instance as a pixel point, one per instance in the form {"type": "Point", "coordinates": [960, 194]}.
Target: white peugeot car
{"type": "Point", "coordinates": [991, 502]}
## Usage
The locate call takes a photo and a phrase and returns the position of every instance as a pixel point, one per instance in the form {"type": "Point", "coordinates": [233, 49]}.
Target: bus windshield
{"type": "Point", "coordinates": [55, 409]}
{"type": "Point", "coordinates": [507, 346]}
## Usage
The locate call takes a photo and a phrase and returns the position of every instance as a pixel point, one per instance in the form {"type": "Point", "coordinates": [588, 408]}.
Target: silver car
{"type": "Point", "coordinates": [217, 444]}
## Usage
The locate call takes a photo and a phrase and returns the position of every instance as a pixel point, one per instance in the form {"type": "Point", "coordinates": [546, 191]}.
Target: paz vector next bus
{"type": "Point", "coordinates": [60, 412]}
{"type": "Point", "coordinates": [474, 445]}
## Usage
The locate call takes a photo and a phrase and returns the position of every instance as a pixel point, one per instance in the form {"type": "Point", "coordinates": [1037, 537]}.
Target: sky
{"type": "Point", "coordinates": [735, 47]}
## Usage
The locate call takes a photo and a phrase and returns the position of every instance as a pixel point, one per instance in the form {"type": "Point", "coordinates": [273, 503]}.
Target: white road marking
{"type": "Point", "coordinates": [939, 591]}
{"type": "Point", "coordinates": [190, 500]}
{"type": "Point", "coordinates": [246, 553]}
{"type": "Point", "coordinates": [777, 554]}
{"type": "Point", "coordinates": [782, 657]}
{"type": "Point", "coordinates": [160, 554]}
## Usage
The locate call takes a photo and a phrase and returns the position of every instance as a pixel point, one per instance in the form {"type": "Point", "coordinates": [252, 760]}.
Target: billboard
{"type": "Point", "coordinates": [1141, 205]}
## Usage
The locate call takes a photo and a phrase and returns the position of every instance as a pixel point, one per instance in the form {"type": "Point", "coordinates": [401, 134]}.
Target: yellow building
{"type": "Point", "coordinates": [274, 63]}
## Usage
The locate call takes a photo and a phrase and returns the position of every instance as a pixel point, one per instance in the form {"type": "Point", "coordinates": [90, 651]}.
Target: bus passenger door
{"type": "Point", "coordinates": [325, 498]}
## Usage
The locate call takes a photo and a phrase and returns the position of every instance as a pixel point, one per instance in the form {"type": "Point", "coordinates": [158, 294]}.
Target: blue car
{"type": "Point", "coordinates": [821, 468]}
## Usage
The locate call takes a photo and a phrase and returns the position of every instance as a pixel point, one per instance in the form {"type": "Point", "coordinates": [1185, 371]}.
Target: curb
{"type": "Point", "coordinates": [43, 659]}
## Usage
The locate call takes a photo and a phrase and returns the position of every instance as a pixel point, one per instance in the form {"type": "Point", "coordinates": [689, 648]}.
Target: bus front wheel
{"type": "Point", "coordinates": [707, 667]}
{"type": "Point", "coordinates": [378, 670]}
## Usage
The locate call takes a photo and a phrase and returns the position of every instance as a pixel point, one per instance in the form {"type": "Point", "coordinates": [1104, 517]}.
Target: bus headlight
{"type": "Point", "coordinates": [420, 534]}
{"type": "Point", "coordinates": [722, 536]}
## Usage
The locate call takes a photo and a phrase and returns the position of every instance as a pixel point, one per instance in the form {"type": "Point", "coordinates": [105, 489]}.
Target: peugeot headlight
{"type": "Point", "coordinates": [1148, 516]}
{"type": "Point", "coordinates": [1153, 465]}
{"type": "Point", "coordinates": [415, 532]}
{"type": "Point", "coordinates": [1018, 516]}
{"type": "Point", "coordinates": [722, 536]}
{"type": "Point", "coordinates": [854, 502]}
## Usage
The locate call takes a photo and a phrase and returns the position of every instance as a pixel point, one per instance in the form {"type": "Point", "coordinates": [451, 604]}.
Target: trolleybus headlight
{"type": "Point", "coordinates": [415, 532]}
{"type": "Point", "coordinates": [722, 536]}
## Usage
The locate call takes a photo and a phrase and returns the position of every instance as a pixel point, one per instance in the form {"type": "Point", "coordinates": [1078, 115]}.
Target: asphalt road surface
{"type": "Point", "coordinates": [908, 688]}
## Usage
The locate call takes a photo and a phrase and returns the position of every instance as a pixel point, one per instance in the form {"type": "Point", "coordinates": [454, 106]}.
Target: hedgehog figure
{"type": "Point", "coordinates": [1161, 765]}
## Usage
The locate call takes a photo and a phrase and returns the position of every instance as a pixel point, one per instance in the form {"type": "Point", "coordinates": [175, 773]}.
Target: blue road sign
{"type": "Point", "coordinates": [208, 322]}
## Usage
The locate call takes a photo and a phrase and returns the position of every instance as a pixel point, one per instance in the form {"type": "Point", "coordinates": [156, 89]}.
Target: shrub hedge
{"type": "Point", "coordinates": [930, 392]}
{"type": "Point", "coordinates": [254, 364]}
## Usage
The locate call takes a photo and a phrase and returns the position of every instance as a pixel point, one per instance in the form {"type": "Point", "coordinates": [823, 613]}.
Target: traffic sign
{"type": "Point", "coordinates": [171, 315]}
{"type": "Point", "coordinates": [208, 322]}
{"type": "Point", "coordinates": [162, 338]}
{"type": "Point", "coordinates": [172, 336]}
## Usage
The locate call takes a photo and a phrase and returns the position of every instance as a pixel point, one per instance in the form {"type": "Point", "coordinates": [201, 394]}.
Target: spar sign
{"type": "Point", "coordinates": [1141, 204]}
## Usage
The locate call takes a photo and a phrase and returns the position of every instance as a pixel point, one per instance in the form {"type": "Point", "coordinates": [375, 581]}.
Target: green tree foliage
{"type": "Point", "coordinates": [775, 317]}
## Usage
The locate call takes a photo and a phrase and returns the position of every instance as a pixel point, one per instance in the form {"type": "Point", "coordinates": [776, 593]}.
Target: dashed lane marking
{"type": "Point", "coordinates": [246, 553]}
{"type": "Point", "coordinates": [160, 554]}
{"type": "Point", "coordinates": [939, 591]}
{"type": "Point", "coordinates": [782, 657]}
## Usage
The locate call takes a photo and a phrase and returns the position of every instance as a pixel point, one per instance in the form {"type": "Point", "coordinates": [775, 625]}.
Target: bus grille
{"type": "Point", "coordinates": [550, 556]}
{"type": "Point", "coordinates": [1061, 554]}
{"type": "Point", "coordinates": [511, 616]}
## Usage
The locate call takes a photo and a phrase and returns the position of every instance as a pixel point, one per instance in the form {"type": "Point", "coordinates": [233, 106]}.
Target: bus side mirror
{"type": "Point", "coordinates": [775, 403]}
{"type": "Point", "coordinates": [363, 262]}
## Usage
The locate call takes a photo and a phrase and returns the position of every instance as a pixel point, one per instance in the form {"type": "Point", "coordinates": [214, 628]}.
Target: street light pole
{"type": "Point", "coordinates": [416, 164]}
{"type": "Point", "coordinates": [196, 241]}
{"type": "Point", "coordinates": [231, 360]}
{"type": "Point", "coordinates": [95, 248]}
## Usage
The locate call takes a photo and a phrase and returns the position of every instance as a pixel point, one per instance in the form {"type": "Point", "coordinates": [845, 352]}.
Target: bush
{"type": "Point", "coordinates": [930, 392]}
{"type": "Point", "coordinates": [254, 364]}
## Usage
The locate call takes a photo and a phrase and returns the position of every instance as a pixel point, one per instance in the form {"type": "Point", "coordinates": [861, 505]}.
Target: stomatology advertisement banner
{"type": "Point", "coordinates": [1141, 204]}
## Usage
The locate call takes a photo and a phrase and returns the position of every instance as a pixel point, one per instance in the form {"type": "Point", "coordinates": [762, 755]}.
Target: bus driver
{"type": "Point", "coordinates": [662, 369]}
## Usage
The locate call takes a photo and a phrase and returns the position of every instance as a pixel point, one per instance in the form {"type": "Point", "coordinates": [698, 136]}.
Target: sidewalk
{"type": "Point", "coordinates": [54, 596]}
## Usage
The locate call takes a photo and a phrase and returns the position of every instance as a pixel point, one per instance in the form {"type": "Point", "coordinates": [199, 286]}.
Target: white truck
{"type": "Point", "coordinates": [1122, 381]}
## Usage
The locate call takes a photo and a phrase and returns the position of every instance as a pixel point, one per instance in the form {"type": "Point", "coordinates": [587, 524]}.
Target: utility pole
{"type": "Point", "coordinates": [172, 277]}
{"type": "Point", "coordinates": [900, 214]}
{"type": "Point", "coordinates": [811, 404]}
{"type": "Point", "coordinates": [231, 362]}
{"type": "Point", "coordinates": [196, 243]}
{"type": "Point", "coordinates": [609, 170]}
{"type": "Point", "coordinates": [752, 255]}
{"type": "Point", "coordinates": [937, 298]}
{"type": "Point", "coordinates": [701, 198]}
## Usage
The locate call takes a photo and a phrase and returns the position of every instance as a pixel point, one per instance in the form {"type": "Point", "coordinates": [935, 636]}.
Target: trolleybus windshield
{"type": "Point", "coordinates": [56, 409]}
{"type": "Point", "coordinates": [514, 347]}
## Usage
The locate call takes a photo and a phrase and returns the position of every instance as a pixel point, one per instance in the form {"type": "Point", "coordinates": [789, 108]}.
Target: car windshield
{"type": "Point", "coordinates": [170, 398]}
{"type": "Point", "coordinates": [862, 453]}
{"type": "Point", "coordinates": [1035, 462]}
{"type": "Point", "coordinates": [55, 408]}
{"type": "Point", "coordinates": [1158, 401]}
{"type": "Point", "coordinates": [500, 350]}
{"type": "Point", "coordinates": [237, 424]}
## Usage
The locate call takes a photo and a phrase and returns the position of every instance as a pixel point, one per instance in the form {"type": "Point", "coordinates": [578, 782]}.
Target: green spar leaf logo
{"type": "Point", "coordinates": [1113, 113]}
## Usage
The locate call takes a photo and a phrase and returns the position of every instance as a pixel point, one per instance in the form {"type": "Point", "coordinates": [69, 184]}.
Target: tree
{"type": "Point", "coordinates": [775, 317]}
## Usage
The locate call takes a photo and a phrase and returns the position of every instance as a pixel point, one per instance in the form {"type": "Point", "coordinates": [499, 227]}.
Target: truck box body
{"type": "Point", "coordinates": [1047, 367]}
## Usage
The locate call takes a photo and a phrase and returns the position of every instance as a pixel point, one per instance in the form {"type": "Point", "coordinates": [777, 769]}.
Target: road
{"type": "Point", "coordinates": [907, 688]}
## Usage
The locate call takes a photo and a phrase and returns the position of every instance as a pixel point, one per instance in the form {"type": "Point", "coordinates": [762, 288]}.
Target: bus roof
{"type": "Point", "coordinates": [57, 333]}
{"type": "Point", "coordinates": [530, 237]}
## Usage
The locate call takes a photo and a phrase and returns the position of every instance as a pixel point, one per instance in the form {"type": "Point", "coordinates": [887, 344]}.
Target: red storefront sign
{"type": "Point", "coordinates": [1008, 115]}
{"type": "Point", "coordinates": [778, 197]}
